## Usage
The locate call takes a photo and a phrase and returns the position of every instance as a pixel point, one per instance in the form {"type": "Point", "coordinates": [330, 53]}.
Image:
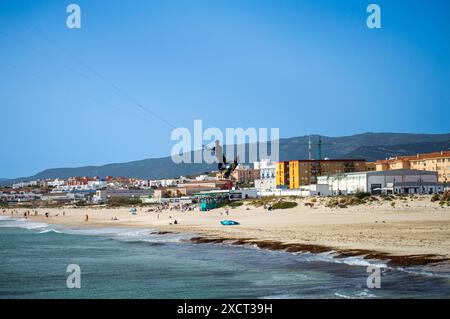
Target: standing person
{"type": "Point", "coordinates": [86, 218]}
{"type": "Point", "coordinates": [226, 211]}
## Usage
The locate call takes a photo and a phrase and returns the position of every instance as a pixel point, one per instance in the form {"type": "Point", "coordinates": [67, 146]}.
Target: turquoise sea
{"type": "Point", "coordinates": [134, 263]}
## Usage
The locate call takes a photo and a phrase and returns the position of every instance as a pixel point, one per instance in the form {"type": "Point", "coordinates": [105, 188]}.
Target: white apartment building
{"type": "Point", "coordinates": [267, 173]}
{"type": "Point", "coordinates": [400, 181]}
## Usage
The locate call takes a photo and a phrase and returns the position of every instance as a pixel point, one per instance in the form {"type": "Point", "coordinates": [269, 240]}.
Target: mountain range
{"type": "Point", "coordinates": [370, 146]}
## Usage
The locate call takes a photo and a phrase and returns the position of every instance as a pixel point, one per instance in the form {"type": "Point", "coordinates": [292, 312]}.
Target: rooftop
{"type": "Point", "coordinates": [417, 157]}
{"type": "Point", "coordinates": [327, 160]}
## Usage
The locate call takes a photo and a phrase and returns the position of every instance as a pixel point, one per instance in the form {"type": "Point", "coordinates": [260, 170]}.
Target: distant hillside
{"type": "Point", "coordinates": [148, 169]}
{"type": "Point", "coordinates": [371, 146]}
{"type": "Point", "coordinates": [347, 146]}
{"type": "Point", "coordinates": [373, 153]}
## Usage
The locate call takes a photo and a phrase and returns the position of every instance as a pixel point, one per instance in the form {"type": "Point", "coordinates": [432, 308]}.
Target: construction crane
{"type": "Point", "coordinates": [319, 145]}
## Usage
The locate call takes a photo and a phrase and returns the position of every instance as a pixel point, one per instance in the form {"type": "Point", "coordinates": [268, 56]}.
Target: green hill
{"type": "Point", "coordinates": [371, 146]}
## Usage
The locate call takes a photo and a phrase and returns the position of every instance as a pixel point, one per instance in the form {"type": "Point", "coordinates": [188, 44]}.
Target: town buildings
{"type": "Point", "coordinates": [297, 173]}
{"type": "Point", "coordinates": [438, 162]}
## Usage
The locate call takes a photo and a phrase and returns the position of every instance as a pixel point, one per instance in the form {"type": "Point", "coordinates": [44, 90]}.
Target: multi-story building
{"type": "Point", "coordinates": [245, 174]}
{"type": "Point", "coordinates": [397, 181]}
{"type": "Point", "coordinates": [267, 174]}
{"type": "Point", "coordinates": [25, 184]}
{"type": "Point", "coordinates": [282, 174]}
{"type": "Point", "coordinates": [438, 162]}
{"type": "Point", "coordinates": [79, 181]}
{"type": "Point", "coordinates": [297, 173]}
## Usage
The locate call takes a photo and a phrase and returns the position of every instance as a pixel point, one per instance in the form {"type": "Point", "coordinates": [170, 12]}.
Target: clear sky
{"type": "Point", "coordinates": [68, 97]}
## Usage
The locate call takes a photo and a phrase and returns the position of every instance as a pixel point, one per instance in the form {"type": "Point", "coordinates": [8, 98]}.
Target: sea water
{"type": "Point", "coordinates": [134, 263]}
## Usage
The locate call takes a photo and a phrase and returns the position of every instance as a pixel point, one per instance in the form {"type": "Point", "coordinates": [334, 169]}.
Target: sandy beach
{"type": "Point", "coordinates": [414, 231]}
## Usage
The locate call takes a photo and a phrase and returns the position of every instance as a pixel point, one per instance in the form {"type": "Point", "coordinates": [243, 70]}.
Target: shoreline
{"type": "Point", "coordinates": [392, 260]}
{"type": "Point", "coordinates": [414, 232]}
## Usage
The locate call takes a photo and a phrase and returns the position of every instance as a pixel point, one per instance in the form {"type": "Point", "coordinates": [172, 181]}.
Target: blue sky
{"type": "Point", "coordinates": [67, 97]}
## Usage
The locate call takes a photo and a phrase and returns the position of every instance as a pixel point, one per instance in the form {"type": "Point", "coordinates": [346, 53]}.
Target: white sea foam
{"type": "Point", "coordinates": [10, 222]}
{"type": "Point", "coordinates": [426, 273]}
{"type": "Point", "coordinates": [49, 231]}
{"type": "Point", "coordinates": [351, 261]}
{"type": "Point", "coordinates": [127, 234]}
{"type": "Point", "coordinates": [357, 295]}
{"type": "Point", "coordinates": [281, 296]}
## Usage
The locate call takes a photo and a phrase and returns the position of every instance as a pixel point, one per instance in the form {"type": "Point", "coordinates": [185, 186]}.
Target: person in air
{"type": "Point", "coordinates": [222, 160]}
{"type": "Point", "coordinates": [218, 153]}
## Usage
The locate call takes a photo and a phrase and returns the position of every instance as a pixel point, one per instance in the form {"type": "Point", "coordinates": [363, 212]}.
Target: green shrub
{"type": "Point", "coordinates": [352, 201]}
{"type": "Point", "coordinates": [435, 198]}
{"type": "Point", "coordinates": [362, 195]}
{"type": "Point", "coordinates": [123, 201]}
{"type": "Point", "coordinates": [235, 204]}
{"type": "Point", "coordinates": [332, 203]}
{"type": "Point", "coordinates": [284, 205]}
{"type": "Point", "coordinates": [262, 201]}
{"type": "Point", "coordinates": [446, 197]}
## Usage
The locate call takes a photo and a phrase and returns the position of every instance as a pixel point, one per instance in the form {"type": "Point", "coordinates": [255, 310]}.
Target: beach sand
{"type": "Point", "coordinates": [415, 231]}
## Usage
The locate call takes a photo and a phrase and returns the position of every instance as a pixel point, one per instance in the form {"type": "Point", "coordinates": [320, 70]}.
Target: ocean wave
{"type": "Point", "coordinates": [435, 273]}
{"type": "Point", "coordinates": [281, 296]}
{"type": "Point", "coordinates": [332, 256]}
{"type": "Point", "coordinates": [356, 295]}
{"type": "Point", "coordinates": [118, 233]}
{"type": "Point", "coordinates": [127, 234]}
{"type": "Point", "coordinates": [46, 231]}
{"type": "Point", "coordinates": [11, 222]}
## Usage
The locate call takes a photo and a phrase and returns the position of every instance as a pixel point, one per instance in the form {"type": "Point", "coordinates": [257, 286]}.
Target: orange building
{"type": "Point", "coordinates": [282, 174]}
{"type": "Point", "coordinates": [437, 161]}
{"type": "Point", "coordinates": [297, 173]}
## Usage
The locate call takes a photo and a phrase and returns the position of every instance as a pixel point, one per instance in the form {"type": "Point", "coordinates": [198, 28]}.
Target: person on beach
{"type": "Point", "coordinates": [86, 218]}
